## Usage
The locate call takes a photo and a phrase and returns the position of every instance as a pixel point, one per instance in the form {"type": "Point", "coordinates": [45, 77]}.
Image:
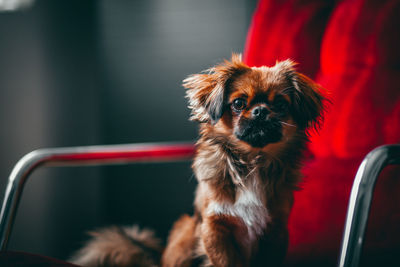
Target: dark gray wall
{"type": "Point", "coordinates": [104, 72]}
{"type": "Point", "coordinates": [48, 97]}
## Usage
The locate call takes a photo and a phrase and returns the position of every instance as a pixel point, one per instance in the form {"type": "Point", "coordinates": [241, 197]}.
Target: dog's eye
{"type": "Point", "coordinates": [279, 104]}
{"type": "Point", "coordinates": [238, 104]}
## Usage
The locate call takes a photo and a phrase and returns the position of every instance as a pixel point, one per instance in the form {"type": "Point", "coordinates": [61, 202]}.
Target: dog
{"type": "Point", "coordinates": [254, 125]}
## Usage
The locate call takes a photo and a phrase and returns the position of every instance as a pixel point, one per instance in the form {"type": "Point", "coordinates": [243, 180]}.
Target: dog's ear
{"type": "Point", "coordinates": [207, 92]}
{"type": "Point", "coordinates": [307, 97]}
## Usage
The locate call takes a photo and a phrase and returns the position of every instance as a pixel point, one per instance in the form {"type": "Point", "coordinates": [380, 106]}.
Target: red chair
{"type": "Point", "coordinates": [350, 47]}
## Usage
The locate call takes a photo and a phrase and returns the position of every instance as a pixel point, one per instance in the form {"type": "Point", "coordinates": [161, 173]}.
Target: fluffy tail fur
{"type": "Point", "coordinates": [120, 246]}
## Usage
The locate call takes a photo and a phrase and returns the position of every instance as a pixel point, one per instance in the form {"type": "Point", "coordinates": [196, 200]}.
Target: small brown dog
{"type": "Point", "coordinates": [253, 131]}
{"type": "Point", "coordinates": [254, 124]}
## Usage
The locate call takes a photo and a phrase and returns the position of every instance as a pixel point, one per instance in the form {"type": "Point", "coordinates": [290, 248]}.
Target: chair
{"type": "Point", "coordinates": [357, 216]}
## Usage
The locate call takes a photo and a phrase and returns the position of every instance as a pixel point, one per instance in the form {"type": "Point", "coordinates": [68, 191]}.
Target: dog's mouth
{"type": "Point", "coordinates": [259, 133]}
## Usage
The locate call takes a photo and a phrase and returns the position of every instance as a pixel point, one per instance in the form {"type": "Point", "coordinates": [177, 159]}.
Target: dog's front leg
{"type": "Point", "coordinates": [180, 250]}
{"type": "Point", "coordinates": [220, 235]}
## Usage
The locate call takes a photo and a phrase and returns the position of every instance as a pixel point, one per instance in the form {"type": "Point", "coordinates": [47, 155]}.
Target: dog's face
{"type": "Point", "coordinates": [257, 109]}
{"type": "Point", "coordinates": [254, 106]}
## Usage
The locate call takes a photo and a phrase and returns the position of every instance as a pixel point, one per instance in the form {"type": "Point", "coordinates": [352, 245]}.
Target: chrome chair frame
{"type": "Point", "coordinates": [73, 156]}
{"type": "Point", "coordinates": [357, 213]}
{"type": "Point", "coordinates": [360, 202]}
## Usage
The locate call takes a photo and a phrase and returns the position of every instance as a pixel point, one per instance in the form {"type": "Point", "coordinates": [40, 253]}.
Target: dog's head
{"type": "Point", "coordinates": [254, 106]}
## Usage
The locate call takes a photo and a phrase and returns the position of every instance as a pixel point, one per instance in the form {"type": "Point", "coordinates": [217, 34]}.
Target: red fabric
{"type": "Point", "coordinates": [134, 153]}
{"type": "Point", "coordinates": [352, 48]}
{"type": "Point", "coordinates": [360, 66]}
{"type": "Point", "coordinates": [287, 29]}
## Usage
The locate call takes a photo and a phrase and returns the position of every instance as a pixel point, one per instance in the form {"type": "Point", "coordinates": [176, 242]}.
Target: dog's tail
{"type": "Point", "coordinates": [120, 246]}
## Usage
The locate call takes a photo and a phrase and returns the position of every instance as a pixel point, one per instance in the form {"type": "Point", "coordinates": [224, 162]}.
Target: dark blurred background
{"type": "Point", "coordinates": [76, 73]}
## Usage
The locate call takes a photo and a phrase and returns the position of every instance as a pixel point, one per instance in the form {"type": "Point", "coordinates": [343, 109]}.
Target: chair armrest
{"type": "Point", "coordinates": [360, 201]}
{"type": "Point", "coordinates": [73, 156]}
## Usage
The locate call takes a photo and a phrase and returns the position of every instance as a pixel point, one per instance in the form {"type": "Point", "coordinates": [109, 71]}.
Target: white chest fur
{"type": "Point", "coordinates": [249, 206]}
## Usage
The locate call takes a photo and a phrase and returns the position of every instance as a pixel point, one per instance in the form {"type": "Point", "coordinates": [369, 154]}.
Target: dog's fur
{"type": "Point", "coordinates": [253, 129]}
{"type": "Point", "coordinates": [120, 247]}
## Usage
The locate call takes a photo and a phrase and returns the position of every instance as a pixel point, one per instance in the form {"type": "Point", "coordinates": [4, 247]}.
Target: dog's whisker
{"type": "Point", "coordinates": [288, 124]}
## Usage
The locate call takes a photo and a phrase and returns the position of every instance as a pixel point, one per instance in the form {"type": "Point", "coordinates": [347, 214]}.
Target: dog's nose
{"type": "Point", "coordinates": [259, 112]}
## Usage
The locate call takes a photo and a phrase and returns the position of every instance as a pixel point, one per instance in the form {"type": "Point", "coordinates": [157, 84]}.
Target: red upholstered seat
{"type": "Point", "coordinates": [360, 66]}
{"type": "Point", "coordinates": [287, 29]}
{"type": "Point", "coordinates": [351, 48]}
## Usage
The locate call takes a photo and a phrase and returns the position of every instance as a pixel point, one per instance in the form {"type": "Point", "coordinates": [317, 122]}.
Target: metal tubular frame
{"type": "Point", "coordinates": [73, 156]}
{"type": "Point", "coordinates": [360, 202]}
{"type": "Point", "coordinates": [357, 213]}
